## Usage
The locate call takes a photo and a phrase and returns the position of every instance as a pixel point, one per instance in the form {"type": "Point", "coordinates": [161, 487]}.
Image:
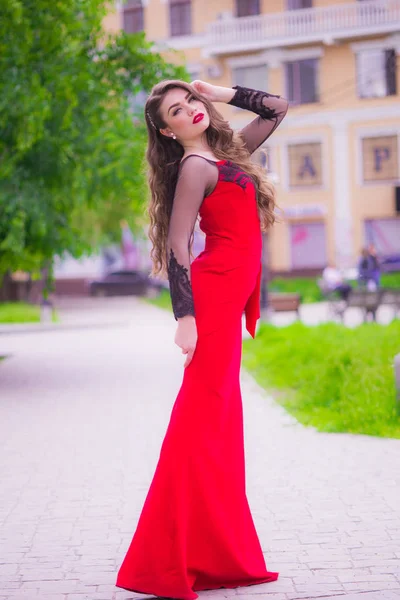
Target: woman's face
{"type": "Point", "coordinates": [185, 116]}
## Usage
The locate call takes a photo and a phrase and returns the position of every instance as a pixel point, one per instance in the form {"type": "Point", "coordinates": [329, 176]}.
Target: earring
{"type": "Point", "coordinates": [173, 136]}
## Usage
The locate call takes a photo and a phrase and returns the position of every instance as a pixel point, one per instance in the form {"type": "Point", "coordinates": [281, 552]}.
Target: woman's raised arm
{"type": "Point", "coordinates": [270, 110]}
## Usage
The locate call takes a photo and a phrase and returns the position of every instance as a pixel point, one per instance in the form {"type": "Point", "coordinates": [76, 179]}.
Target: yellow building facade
{"type": "Point", "coordinates": [335, 160]}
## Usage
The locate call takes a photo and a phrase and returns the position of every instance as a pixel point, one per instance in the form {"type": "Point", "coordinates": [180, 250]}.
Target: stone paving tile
{"type": "Point", "coordinates": [82, 417]}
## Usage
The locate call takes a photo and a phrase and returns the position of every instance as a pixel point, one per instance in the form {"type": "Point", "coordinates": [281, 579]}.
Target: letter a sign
{"type": "Point", "coordinates": [305, 165]}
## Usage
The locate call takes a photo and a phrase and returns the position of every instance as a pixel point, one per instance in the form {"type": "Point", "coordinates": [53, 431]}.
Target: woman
{"type": "Point", "coordinates": [195, 531]}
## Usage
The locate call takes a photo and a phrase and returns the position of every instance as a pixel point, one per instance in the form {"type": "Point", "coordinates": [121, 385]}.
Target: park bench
{"type": "Point", "coordinates": [368, 300]}
{"type": "Point", "coordinates": [284, 302]}
{"type": "Point", "coordinates": [391, 297]}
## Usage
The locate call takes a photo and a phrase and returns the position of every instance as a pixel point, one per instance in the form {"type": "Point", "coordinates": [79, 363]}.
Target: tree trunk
{"type": "Point", "coordinates": [7, 288]}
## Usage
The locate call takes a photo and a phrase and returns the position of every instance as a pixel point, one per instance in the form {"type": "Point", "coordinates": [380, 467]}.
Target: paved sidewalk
{"type": "Point", "coordinates": [82, 417]}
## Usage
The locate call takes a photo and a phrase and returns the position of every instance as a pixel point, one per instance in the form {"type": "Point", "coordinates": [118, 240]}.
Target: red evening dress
{"type": "Point", "coordinates": [195, 530]}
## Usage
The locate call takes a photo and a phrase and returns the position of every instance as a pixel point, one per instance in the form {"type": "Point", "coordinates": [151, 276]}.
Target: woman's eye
{"type": "Point", "coordinates": [190, 99]}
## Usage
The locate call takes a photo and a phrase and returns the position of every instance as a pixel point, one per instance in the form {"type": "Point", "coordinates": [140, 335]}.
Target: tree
{"type": "Point", "coordinates": [71, 151]}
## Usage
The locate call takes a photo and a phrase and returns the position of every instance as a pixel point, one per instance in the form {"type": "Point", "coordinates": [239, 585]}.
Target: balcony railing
{"type": "Point", "coordinates": [328, 23]}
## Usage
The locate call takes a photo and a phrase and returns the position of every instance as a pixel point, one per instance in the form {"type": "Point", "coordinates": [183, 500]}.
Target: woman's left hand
{"type": "Point", "coordinates": [207, 90]}
{"type": "Point", "coordinates": [213, 93]}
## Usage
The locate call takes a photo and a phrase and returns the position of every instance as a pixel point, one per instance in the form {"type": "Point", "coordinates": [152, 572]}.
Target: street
{"type": "Point", "coordinates": [83, 414]}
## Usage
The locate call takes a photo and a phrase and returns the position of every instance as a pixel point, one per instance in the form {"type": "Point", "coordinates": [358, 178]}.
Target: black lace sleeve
{"type": "Point", "coordinates": [196, 178]}
{"type": "Point", "coordinates": [271, 110]}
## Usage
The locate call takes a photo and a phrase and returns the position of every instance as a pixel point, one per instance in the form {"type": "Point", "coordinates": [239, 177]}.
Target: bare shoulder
{"type": "Point", "coordinates": [197, 160]}
{"type": "Point", "coordinates": [198, 171]}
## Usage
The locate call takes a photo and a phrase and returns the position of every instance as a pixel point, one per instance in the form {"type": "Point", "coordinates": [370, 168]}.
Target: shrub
{"type": "Point", "coordinates": [333, 378]}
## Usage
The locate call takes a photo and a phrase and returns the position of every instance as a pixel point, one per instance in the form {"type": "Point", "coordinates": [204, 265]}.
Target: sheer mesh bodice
{"type": "Point", "coordinates": [197, 179]}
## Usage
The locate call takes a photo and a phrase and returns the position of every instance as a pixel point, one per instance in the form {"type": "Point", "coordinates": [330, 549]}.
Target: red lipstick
{"type": "Point", "coordinates": [198, 117]}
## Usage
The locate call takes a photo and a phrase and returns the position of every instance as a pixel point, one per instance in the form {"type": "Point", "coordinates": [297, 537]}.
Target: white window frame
{"type": "Point", "coordinates": [383, 74]}
{"type": "Point", "coordinates": [119, 4]}
{"type": "Point", "coordinates": [302, 54]}
{"type": "Point", "coordinates": [309, 139]}
{"type": "Point", "coordinates": [391, 42]}
{"type": "Point", "coordinates": [272, 173]}
{"type": "Point", "coordinates": [251, 60]}
{"type": "Point", "coordinates": [369, 132]}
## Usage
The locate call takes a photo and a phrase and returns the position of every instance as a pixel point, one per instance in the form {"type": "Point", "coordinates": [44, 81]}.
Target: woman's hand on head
{"type": "Point", "coordinates": [205, 89]}
{"type": "Point", "coordinates": [186, 337]}
{"type": "Point", "coordinates": [213, 93]}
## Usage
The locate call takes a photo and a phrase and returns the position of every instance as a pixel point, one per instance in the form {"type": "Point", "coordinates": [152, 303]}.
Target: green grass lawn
{"type": "Point", "coordinates": [162, 301]}
{"type": "Point", "coordinates": [391, 280]}
{"type": "Point", "coordinates": [19, 312]}
{"type": "Point", "coordinates": [305, 286]}
{"type": "Point", "coordinates": [330, 377]}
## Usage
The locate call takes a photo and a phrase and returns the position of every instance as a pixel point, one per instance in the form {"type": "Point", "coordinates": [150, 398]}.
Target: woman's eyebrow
{"type": "Point", "coordinates": [178, 103]}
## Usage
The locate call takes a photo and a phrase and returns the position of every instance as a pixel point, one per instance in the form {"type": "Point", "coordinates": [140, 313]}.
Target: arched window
{"type": "Point", "coordinates": [133, 16]}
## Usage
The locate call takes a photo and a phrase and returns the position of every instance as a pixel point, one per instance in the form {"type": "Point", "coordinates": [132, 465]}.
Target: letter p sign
{"type": "Point", "coordinates": [381, 154]}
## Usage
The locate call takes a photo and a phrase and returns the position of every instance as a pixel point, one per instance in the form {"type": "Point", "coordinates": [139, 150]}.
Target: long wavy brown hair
{"type": "Point", "coordinates": [164, 155]}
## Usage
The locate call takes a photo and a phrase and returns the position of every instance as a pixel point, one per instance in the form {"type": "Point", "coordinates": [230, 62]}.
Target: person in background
{"type": "Point", "coordinates": [364, 268]}
{"type": "Point", "coordinates": [333, 282]}
{"type": "Point", "coordinates": [375, 269]}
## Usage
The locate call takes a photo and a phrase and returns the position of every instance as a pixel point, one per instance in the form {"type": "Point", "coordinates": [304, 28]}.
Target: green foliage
{"type": "Point", "coordinates": [329, 376]}
{"type": "Point", "coordinates": [391, 280]}
{"type": "Point", "coordinates": [19, 312]}
{"type": "Point", "coordinates": [71, 150]}
{"type": "Point", "coordinates": [163, 300]}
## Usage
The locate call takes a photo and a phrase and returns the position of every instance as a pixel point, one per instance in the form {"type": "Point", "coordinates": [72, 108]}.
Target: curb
{"type": "Point", "coordinates": [47, 327]}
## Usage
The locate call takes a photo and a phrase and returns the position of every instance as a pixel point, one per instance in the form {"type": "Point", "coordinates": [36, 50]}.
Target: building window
{"type": "Point", "coordinates": [298, 4]}
{"type": "Point", "coordinates": [180, 17]}
{"type": "Point", "coordinates": [254, 77]}
{"type": "Point", "coordinates": [247, 8]}
{"type": "Point", "coordinates": [384, 234]}
{"type": "Point", "coordinates": [380, 158]}
{"type": "Point", "coordinates": [308, 245]}
{"type": "Point", "coordinates": [262, 157]}
{"type": "Point", "coordinates": [302, 81]}
{"type": "Point", "coordinates": [305, 165]}
{"type": "Point", "coordinates": [376, 73]}
{"type": "Point", "coordinates": [133, 19]}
